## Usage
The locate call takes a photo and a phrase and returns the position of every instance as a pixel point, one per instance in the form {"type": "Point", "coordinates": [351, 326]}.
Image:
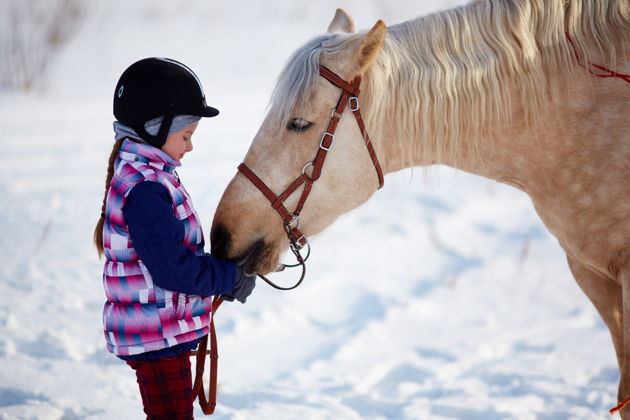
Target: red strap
{"type": "Point", "coordinates": [609, 73]}
{"type": "Point", "coordinates": [327, 138]}
{"type": "Point", "coordinates": [371, 151]}
{"type": "Point", "coordinates": [339, 82]}
{"type": "Point", "coordinates": [209, 403]}
{"type": "Point", "coordinates": [276, 203]}
{"type": "Point", "coordinates": [294, 186]}
{"type": "Point", "coordinates": [619, 406]}
{"type": "Point", "coordinates": [294, 234]}
{"type": "Point", "coordinates": [590, 66]}
{"type": "Point", "coordinates": [307, 190]}
{"type": "Point", "coordinates": [257, 182]}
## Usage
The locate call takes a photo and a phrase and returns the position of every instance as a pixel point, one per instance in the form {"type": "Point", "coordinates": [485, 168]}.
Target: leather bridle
{"type": "Point", "coordinates": [291, 220]}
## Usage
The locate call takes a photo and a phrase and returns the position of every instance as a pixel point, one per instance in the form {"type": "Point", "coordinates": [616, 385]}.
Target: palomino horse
{"type": "Point", "coordinates": [501, 88]}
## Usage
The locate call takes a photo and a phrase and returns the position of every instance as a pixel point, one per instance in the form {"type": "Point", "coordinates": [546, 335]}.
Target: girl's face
{"type": "Point", "coordinates": [180, 143]}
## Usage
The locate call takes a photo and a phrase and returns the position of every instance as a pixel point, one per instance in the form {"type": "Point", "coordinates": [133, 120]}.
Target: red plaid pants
{"type": "Point", "coordinates": [165, 387]}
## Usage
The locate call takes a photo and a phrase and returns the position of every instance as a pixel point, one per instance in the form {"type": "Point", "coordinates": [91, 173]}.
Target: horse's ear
{"type": "Point", "coordinates": [369, 46]}
{"type": "Point", "coordinates": [341, 23]}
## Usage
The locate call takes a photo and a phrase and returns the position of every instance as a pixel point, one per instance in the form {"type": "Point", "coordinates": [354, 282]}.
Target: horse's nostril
{"type": "Point", "coordinates": [220, 241]}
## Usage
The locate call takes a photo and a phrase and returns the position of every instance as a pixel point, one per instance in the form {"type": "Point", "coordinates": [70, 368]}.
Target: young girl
{"type": "Point", "coordinates": [158, 279]}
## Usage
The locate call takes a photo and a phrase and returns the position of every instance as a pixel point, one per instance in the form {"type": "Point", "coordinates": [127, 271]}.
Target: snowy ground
{"type": "Point", "coordinates": [442, 298]}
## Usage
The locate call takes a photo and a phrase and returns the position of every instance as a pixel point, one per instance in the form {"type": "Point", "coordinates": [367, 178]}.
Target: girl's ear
{"type": "Point", "coordinates": [341, 23]}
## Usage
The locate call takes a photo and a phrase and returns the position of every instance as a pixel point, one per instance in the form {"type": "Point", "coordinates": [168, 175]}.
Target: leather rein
{"type": "Point", "coordinates": [209, 403]}
{"type": "Point", "coordinates": [291, 220]}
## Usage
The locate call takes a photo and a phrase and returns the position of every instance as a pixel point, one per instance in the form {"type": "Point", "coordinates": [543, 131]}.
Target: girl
{"type": "Point", "coordinates": [158, 279]}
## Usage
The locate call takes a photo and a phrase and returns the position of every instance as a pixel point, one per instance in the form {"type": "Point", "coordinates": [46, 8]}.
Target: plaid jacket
{"type": "Point", "coordinates": [140, 316]}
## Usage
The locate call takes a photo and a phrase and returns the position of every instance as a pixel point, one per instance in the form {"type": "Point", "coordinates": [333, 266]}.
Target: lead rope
{"type": "Point", "coordinates": [209, 403]}
{"type": "Point", "coordinates": [619, 406]}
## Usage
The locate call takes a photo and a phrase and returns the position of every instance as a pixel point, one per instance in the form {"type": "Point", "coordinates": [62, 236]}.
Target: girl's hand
{"type": "Point", "coordinates": [243, 286]}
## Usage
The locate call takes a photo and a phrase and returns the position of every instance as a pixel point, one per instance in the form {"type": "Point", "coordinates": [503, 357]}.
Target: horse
{"type": "Point", "coordinates": [505, 89]}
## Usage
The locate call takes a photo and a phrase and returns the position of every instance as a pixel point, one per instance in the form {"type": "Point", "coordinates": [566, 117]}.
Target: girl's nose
{"type": "Point", "coordinates": [189, 146]}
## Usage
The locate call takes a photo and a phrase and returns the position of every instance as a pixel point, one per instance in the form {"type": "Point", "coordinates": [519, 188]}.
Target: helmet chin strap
{"type": "Point", "coordinates": [159, 139]}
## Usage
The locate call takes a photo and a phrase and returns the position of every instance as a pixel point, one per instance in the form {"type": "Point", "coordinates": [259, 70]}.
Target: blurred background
{"type": "Point", "coordinates": [444, 297]}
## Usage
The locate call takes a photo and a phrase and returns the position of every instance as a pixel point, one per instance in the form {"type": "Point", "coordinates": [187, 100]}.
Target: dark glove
{"type": "Point", "coordinates": [243, 286]}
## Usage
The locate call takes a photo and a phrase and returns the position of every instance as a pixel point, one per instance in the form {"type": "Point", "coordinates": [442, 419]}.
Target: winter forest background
{"type": "Point", "coordinates": [444, 297]}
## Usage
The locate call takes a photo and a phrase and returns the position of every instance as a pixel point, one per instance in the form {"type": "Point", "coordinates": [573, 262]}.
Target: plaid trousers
{"type": "Point", "coordinates": [165, 387]}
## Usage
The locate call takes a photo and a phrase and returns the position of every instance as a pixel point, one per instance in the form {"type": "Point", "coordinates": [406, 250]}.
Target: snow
{"type": "Point", "coordinates": [443, 297]}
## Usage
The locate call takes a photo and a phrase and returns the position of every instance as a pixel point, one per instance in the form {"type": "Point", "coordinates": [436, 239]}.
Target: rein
{"type": "Point", "coordinates": [291, 220]}
{"type": "Point", "coordinates": [209, 403]}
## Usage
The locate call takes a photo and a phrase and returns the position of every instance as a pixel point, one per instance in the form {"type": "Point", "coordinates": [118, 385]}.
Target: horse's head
{"type": "Point", "coordinates": [246, 228]}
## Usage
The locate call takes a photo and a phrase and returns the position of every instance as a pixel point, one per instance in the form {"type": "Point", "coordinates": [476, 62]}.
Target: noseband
{"type": "Point", "coordinates": [291, 220]}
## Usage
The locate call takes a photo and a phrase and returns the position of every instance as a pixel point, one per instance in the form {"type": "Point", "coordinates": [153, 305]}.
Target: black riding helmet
{"type": "Point", "coordinates": [158, 87]}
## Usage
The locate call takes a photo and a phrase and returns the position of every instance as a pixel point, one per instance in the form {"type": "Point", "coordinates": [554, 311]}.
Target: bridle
{"type": "Point", "coordinates": [349, 96]}
{"type": "Point", "coordinates": [291, 220]}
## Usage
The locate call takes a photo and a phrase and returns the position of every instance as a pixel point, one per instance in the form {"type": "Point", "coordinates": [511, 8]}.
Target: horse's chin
{"type": "Point", "coordinates": [260, 258]}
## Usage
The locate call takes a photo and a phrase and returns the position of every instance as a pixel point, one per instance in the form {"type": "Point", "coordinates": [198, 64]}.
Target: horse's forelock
{"type": "Point", "coordinates": [296, 81]}
{"type": "Point", "coordinates": [295, 84]}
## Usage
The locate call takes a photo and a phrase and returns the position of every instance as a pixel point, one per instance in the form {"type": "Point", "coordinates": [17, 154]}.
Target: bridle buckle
{"type": "Point", "coordinates": [299, 243]}
{"type": "Point", "coordinates": [295, 220]}
{"type": "Point", "coordinates": [353, 103]}
{"type": "Point", "coordinates": [332, 140]}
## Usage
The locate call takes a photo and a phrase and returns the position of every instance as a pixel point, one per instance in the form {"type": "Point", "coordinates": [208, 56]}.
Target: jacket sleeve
{"type": "Point", "coordinates": [157, 237]}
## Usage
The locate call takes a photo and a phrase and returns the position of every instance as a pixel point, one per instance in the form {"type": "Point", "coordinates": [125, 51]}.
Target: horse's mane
{"type": "Point", "coordinates": [442, 76]}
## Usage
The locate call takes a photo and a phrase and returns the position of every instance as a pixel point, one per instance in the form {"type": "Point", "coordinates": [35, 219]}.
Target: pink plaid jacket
{"type": "Point", "coordinates": [139, 316]}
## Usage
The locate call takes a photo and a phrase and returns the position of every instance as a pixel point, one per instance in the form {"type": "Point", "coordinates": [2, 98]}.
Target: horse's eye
{"type": "Point", "coordinates": [299, 124]}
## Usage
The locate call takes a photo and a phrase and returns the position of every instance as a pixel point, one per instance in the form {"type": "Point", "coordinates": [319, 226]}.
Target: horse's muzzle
{"type": "Point", "coordinates": [249, 259]}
